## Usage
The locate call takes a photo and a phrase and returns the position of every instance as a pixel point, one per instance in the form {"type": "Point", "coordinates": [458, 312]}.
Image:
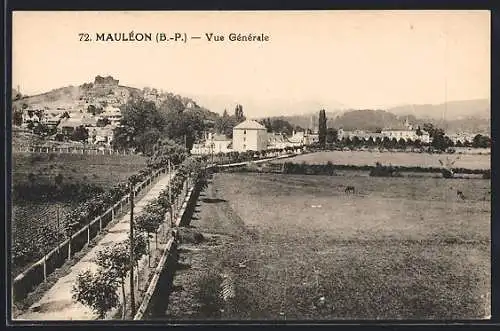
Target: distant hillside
{"type": "Point", "coordinates": [453, 110]}
{"type": "Point", "coordinates": [102, 90]}
{"type": "Point", "coordinates": [470, 115]}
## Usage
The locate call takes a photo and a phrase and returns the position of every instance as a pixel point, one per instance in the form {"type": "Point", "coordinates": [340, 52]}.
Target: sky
{"type": "Point", "coordinates": [327, 59]}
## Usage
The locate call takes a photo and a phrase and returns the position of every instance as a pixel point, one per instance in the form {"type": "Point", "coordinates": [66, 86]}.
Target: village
{"type": "Point", "coordinates": [95, 115]}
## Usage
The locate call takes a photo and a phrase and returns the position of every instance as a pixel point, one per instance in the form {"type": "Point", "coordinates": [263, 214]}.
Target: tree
{"type": "Point", "coordinates": [331, 135]}
{"type": "Point", "coordinates": [280, 126]}
{"type": "Point", "coordinates": [102, 122]}
{"type": "Point", "coordinates": [401, 143]}
{"type": "Point", "coordinates": [166, 150]}
{"type": "Point", "coordinates": [224, 124]}
{"type": "Point", "coordinates": [149, 222]}
{"type": "Point", "coordinates": [80, 133]}
{"type": "Point", "coordinates": [116, 259]}
{"type": "Point", "coordinates": [17, 117]}
{"type": "Point", "coordinates": [183, 128]}
{"type": "Point", "coordinates": [439, 141]}
{"type": "Point", "coordinates": [172, 104]}
{"type": "Point", "coordinates": [370, 142]}
{"type": "Point", "coordinates": [140, 123]}
{"type": "Point", "coordinates": [356, 142]}
{"type": "Point", "coordinates": [97, 291]}
{"type": "Point", "coordinates": [386, 142]}
{"type": "Point", "coordinates": [419, 132]}
{"type": "Point", "coordinates": [433, 131]}
{"type": "Point", "coordinates": [322, 128]}
{"type": "Point", "coordinates": [238, 114]}
{"type": "Point", "coordinates": [480, 141]}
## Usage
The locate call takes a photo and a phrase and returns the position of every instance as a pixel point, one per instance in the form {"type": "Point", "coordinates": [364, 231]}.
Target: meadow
{"type": "Point", "coordinates": [101, 170]}
{"type": "Point", "coordinates": [360, 158]}
{"type": "Point", "coordinates": [298, 247]}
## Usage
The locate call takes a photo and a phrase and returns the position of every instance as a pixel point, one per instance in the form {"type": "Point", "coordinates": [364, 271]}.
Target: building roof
{"type": "Point", "coordinates": [249, 125]}
{"type": "Point", "coordinates": [220, 137]}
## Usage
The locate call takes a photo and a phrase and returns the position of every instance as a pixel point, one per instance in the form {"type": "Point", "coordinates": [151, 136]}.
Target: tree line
{"type": "Point", "coordinates": [328, 137]}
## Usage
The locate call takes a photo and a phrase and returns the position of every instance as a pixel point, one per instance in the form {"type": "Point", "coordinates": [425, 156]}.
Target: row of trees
{"type": "Point", "coordinates": [280, 125]}
{"type": "Point", "coordinates": [99, 290]}
{"type": "Point", "coordinates": [439, 141]}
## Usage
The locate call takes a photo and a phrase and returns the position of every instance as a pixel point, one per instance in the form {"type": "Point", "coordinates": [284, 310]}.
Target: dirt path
{"type": "Point", "coordinates": [57, 302]}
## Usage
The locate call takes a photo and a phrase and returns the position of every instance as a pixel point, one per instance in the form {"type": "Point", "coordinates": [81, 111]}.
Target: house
{"type": "Point", "coordinates": [463, 137]}
{"type": "Point", "coordinates": [276, 140]}
{"type": "Point", "coordinates": [249, 136]}
{"type": "Point", "coordinates": [218, 143]}
{"type": "Point", "coordinates": [113, 114]}
{"type": "Point", "coordinates": [101, 136]}
{"type": "Point", "coordinates": [30, 117]}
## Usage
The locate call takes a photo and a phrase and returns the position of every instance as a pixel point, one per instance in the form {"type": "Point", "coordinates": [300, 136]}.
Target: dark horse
{"type": "Point", "coordinates": [350, 189]}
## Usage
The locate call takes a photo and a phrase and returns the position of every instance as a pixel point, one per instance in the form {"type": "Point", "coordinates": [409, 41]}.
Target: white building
{"type": "Point", "coordinates": [101, 136]}
{"type": "Point", "coordinates": [462, 137]}
{"type": "Point", "coordinates": [249, 136]}
{"type": "Point", "coordinates": [113, 114]}
{"type": "Point", "coordinates": [218, 143]}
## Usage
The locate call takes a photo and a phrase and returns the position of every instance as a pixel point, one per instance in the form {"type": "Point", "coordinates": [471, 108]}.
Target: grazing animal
{"type": "Point", "coordinates": [350, 189]}
{"type": "Point", "coordinates": [461, 195]}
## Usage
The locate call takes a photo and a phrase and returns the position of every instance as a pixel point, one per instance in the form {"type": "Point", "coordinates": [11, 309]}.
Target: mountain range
{"type": "Point", "coordinates": [454, 116]}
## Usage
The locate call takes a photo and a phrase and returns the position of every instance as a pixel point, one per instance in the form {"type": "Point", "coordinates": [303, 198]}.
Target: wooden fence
{"type": "Point", "coordinates": [38, 272]}
{"type": "Point", "coordinates": [69, 150]}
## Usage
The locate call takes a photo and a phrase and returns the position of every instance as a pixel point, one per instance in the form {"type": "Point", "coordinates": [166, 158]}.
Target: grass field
{"type": "Point", "coordinates": [399, 248]}
{"type": "Point", "coordinates": [360, 158]}
{"type": "Point", "coordinates": [102, 170]}
{"type": "Point", "coordinates": [29, 216]}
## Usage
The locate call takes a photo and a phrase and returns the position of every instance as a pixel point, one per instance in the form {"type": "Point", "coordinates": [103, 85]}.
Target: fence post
{"type": "Point", "coordinates": [112, 213]}
{"type": "Point", "coordinates": [100, 223]}
{"type": "Point", "coordinates": [88, 234]}
{"type": "Point", "coordinates": [45, 268]}
{"type": "Point", "coordinates": [69, 247]}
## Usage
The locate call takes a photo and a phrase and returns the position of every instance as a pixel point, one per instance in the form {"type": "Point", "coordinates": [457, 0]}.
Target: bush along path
{"type": "Point", "coordinates": [97, 286]}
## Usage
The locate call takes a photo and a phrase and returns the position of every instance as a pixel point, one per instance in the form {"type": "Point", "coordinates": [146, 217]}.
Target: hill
{"type": "Point", "coordinates": [468, 115]}
{"type": "Point", "coordinates": [102, 92]}
{"type": "Point", "coordinates": [452, 111]}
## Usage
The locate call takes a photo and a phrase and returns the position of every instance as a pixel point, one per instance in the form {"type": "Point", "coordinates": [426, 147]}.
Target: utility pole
{"type": "Point", "coordinates": [170, 194]}
{"type": "Point", "coordinates": [132, 293]}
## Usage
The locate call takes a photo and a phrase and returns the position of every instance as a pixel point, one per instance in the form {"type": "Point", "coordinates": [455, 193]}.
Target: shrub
{"type": "Point", "coordinates": [384, 171]}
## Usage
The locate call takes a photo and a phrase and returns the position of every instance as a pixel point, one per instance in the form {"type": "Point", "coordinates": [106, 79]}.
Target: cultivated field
{"type": "Point", "coordinates": [298, 247]}
{"type": "Point", "coordinates": [102, 170]}
{"type": "Point", "coordinates": [360, 158]}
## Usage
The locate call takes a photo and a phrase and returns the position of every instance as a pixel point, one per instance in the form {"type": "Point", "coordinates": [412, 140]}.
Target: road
{"type": "Point", "coordinates": [57, 302]}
